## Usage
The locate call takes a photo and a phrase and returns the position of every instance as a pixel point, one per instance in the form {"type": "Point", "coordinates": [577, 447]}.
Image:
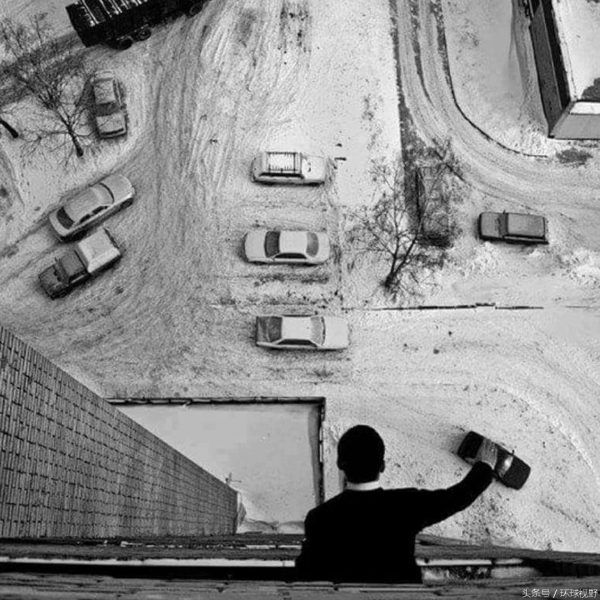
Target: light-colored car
{"type": "Point", "coordinates": [109, 110]}
{"type": "Point", "coordinates": [84, 260]}
{"type": "Point", "coordinates": [288, 247]}
{"type": "Point", "coordinates": [91, 206]}
{"type": "Point", "coordinates": [289, 167]}
{"type": "Point", "coordinates": [306, 332]}
{"type": "Point", "coordinates": [518, 228]}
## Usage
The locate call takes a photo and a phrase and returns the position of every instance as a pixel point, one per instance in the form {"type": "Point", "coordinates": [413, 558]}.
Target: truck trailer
{"type": "Point", "coordinates": [119, 23]}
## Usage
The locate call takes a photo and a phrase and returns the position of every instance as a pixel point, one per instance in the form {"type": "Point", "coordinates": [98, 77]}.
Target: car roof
{"type": "Point", "coordinates": [86, 201]}
{"type": "Point", "coordinates": [297, 328]}
{"type": "Point", "coordinates": [104, 90]}
{"type": "Point", "coordinates": [293, 242]}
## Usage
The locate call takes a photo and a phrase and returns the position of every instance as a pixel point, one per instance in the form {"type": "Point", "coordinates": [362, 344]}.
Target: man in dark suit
{"type": "Point", "coordinates": [367, 534]}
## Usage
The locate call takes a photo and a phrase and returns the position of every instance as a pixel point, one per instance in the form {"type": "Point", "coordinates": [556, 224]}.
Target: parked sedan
{"type": "Point", "coordinates": [91, 206]}
{"type": "Point", "coordinates": [518, 228]}
{"type": "Point", "coordinates": [510, 469]}
{"type": "Point", "coordinates": [291, 332]}
{"type": "Point", "coordinates": [289, 247]}
{"type": "Point", "coordinates": [109, 110]}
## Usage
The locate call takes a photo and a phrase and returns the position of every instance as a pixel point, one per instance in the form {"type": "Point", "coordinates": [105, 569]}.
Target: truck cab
{"type": "Point", "coordinates": [86, 259]}
{"type": "Point", "coordinates": [289, 168]}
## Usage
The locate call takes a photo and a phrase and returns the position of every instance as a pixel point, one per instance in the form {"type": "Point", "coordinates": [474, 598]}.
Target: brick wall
{"type": "Point", "coordinates": [73, 465]}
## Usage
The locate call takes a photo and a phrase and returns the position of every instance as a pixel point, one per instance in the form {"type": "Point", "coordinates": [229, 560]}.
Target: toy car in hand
{"type": "Point", "coordinates": [510, 469]}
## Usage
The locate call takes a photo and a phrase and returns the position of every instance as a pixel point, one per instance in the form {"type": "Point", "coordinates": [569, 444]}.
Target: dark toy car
{"type": "Point", "coordinates": [510, 469]}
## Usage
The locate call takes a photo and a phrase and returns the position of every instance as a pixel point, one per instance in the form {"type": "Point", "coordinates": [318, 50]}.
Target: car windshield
{"type": "Point", "coordinates": [312, 246]}
{"type": "Point", "coordinates": [110, 193]}
{"type": "Point", "coordinates": [293, 342]}
{"type": "Point", "coordinates": [317, 327]}
{"type": "Point", "coordinates": [63, 218]}
{"type": "Point", "coordinates": [291, 255]}
{"type": "Point", "coordinates": [106, 108]}
{"type": "Point", "coordinates": [271, 243]}
{"type": "Point", "coordinates": [273, 329]}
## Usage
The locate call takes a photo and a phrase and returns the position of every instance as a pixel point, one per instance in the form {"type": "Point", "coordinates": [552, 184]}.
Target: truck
{"type": "Point", "coordinates": [86, 259]}
{"type": "Point", "coordinates": [118, 23]}
{"type": "Point", "coordinates": [289, 167]}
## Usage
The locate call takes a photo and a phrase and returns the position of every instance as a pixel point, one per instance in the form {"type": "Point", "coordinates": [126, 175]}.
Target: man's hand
{"type": "Point", "coordinates": [504, 465]}
{"type": "Point", "coordinates": [488, 453]}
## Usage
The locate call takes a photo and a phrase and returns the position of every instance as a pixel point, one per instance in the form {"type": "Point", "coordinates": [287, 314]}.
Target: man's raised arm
{"type": "Point", "coordinates": [436, 505]}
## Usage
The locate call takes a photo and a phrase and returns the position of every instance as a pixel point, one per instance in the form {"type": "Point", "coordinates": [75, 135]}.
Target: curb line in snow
{"type": "Point", "coordinates": [477, 305]}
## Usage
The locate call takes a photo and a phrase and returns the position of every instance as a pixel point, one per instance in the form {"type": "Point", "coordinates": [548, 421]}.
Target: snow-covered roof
{"type": "Point", "coordinates": [578, 25]}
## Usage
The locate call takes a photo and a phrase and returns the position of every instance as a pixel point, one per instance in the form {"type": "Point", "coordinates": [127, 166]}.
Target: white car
{"type": "Point", "coordinates": [288, 247]}
{"type": "Point", "coordinates": [109, 110]}
{"type": "Point", "coordinates": [92, 205]}
{"type": "Point", "coordinates": [289, 167]}
{"type": "Point", "coordinates": [306, 332]}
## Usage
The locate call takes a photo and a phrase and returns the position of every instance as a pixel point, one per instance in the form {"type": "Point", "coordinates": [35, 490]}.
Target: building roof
{"type": "Point", "coordinates": [175, 567]}
{"type": "Point", "coordinates": [275, 547]}
{"type": "Point", "coordinates": [50, 586]}
{"type": "Point", "coordinates": [578, 26]}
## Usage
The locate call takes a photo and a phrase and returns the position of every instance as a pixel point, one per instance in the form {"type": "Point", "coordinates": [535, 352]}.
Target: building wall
{"type": "Point", "coordinates": [552, 78]}
{"type": "Point", "coordinates": [72, 465]}
{"type": "Point", "coordinates": [549, 63]}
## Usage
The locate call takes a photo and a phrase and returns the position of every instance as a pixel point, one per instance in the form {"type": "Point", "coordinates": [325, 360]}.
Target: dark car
{"type": "Point", "coordinates": [518, 228]}
{"type": "Point", "coordinates": [510, 469]}
{"type": "Point", "coordinates": [84, 260]}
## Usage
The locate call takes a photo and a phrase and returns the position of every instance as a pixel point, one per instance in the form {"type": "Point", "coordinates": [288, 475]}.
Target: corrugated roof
{"type": "Point", "coordinates": [34, 586]}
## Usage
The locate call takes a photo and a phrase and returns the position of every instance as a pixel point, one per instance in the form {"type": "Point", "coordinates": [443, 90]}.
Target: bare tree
{"type": "Point", "coordinates": [53, 74]}
{"type": "Point", "coordinates": [406, 224]}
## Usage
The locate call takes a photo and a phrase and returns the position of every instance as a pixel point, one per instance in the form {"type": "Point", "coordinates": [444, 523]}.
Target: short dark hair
{"type": "Point", "coordinates": [360, 454]}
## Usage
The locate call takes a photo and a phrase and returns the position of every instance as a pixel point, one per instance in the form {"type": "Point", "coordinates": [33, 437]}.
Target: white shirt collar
{"type": "Point", "coordinates": [368, 486]}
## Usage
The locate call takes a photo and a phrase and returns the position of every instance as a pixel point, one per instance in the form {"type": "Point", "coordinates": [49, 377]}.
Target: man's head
{"type": "Point", "coordinates": [360, 454]}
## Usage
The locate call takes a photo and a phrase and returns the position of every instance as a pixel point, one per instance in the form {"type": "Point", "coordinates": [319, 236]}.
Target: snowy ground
{"type": "Point", "coordinates": [176, 316]}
